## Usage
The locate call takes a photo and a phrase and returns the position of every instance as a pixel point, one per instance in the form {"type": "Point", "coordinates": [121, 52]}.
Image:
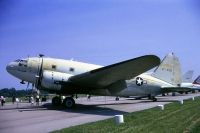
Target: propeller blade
{"type": "Point", "coordinates": [27, 86]}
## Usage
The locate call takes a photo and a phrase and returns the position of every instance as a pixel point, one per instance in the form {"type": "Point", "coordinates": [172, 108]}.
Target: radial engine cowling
{"type": "Point", "coordinates": [51, 80]}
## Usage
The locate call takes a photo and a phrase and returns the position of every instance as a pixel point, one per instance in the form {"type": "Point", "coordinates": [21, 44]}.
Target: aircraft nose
{"type": "Point", "coordinates": [10, 67]}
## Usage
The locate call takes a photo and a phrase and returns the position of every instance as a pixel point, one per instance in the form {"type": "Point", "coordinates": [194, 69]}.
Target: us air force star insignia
{"type": "Point", "coordinates": [139, 81]}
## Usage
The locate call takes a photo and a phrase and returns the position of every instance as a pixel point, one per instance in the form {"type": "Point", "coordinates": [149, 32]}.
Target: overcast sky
{"type": "Point", "coordinates": [98, 31]}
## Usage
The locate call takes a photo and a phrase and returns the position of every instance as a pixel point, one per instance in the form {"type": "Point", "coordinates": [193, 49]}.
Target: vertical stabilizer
{"type": "Point", "coordinates": [169, 70]}
{"type": "Point", "coordinates": [187, 77]}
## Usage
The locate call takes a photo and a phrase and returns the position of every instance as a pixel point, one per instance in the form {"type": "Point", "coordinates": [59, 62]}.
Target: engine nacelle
{"type": "Point", "coordinates": [51, 80]}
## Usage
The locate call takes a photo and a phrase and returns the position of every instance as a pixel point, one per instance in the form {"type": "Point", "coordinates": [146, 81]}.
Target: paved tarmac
{"type": "Point", "coordinates": [45, 118]}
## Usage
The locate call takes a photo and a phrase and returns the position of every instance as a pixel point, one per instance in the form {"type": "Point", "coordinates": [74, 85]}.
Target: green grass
{"type": "Point", "coordinates": [175, 118]}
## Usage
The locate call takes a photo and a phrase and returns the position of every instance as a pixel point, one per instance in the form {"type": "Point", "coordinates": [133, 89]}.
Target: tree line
{"type": "Point", "coordinates": [10, 92]}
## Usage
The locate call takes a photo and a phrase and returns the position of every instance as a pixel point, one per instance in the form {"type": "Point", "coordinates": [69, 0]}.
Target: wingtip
{"type": "Point", "coordinates": [156, 58]}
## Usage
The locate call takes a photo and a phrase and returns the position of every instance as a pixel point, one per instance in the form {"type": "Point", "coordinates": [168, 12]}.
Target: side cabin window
{"type": "Point", "coordinates": [71, 69]}
{"type": "Point", "coordinates": [54, 67]}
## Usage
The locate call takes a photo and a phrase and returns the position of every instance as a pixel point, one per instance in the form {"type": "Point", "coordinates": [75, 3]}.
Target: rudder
{"type": "Point", "coordinates": [187, 77]}
{"type": "Point", "coordinates": [169, 70]}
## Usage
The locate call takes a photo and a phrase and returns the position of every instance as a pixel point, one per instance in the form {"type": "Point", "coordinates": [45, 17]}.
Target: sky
{"type": "Point", "coordinates": [98, 31]}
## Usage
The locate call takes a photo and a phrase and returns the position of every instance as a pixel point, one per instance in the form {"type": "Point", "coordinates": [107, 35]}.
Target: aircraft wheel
{"type": "Point", "coordinates": [154, 99]}
{"type": "Point", "coordinates": [117, 99]}
{"type": "Point", "coordinates": [69, 102]}
{"type": "Point", "coordinates": [149, 97]}
{"type": "Point", "coordinates": [56, 101]}
{"type": "Point", "coordinates": [138, 98]}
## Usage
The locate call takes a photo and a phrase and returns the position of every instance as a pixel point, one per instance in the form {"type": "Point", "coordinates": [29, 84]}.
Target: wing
{"type": "Point", "coordinates": [105, 76]}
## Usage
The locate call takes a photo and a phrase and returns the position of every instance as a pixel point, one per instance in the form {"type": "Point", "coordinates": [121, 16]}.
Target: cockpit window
{"type": "Point", "coordinates": [22, 62]}
{"type": "Point", "coordinates": [17, 60]}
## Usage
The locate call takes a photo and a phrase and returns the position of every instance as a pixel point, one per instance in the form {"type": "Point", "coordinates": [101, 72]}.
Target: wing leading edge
{"type": "Point", "coordinates": [105, 76]}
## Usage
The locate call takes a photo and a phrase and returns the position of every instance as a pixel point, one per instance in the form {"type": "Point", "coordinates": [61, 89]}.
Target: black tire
{"type": "Point", "coordinates": [56, 101]}
{"type": "Point", "coordinates": [154, 99]}
{"type": "Point", "coordinates": [138, 98]}
{"type": "Point", "coordinates": [69, 102]}
{"type": "Point", "coordinates": [149, 96]}
{"type": "Point", "coordinates": [117, 99]}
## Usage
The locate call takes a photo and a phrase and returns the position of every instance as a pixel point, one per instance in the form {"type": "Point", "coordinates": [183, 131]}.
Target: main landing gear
{"type": "Point", "coordinates": [68, 102]}
{"type": "Point", "coordinates": [153, 98]}
{"type": "Point", "coordinates": [117, 99]}
{"type": "Point", "coordinates": [56, 101]}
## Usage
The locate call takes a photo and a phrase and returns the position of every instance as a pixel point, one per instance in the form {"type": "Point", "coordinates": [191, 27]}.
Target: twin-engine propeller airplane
{"type": "Point", "coordinates": [127, 78]}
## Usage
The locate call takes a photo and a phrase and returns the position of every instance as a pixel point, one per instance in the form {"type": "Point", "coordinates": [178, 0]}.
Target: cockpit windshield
{"type": "Point", "coordinates": [22, 62]}
{"type": "Point", "coordinates": [18, 60]}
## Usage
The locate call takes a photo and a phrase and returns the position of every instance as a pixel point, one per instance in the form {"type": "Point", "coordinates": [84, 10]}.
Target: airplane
{"type": "Point", "coordinates": [195, 85]}
{"type": "Point", "coordinates": [68, 77]}
{"type": "Point", "coordinates": [127, 78]}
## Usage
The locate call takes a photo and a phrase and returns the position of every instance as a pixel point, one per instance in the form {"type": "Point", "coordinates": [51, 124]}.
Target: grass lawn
{"type": "Point", "coordinates": [176, 118]}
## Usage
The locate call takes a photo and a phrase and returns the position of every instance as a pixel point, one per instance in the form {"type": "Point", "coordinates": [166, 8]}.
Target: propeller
{"type": "Point", "coordinates": [39, 73]}
{"type": "Point", "coordinates": [27, 86]}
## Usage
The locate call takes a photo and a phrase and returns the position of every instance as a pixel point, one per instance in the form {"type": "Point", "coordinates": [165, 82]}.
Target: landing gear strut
{"type": "Point", "coordinates": [152, 98]}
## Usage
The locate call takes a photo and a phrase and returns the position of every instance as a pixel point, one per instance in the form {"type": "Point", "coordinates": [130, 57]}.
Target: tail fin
{"type": "Point", "coordinates": [169, 70]}
{"type": "Point", "coordinates": [197, 80]}
{"type": "Point", "coordinates": [187, 77]}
